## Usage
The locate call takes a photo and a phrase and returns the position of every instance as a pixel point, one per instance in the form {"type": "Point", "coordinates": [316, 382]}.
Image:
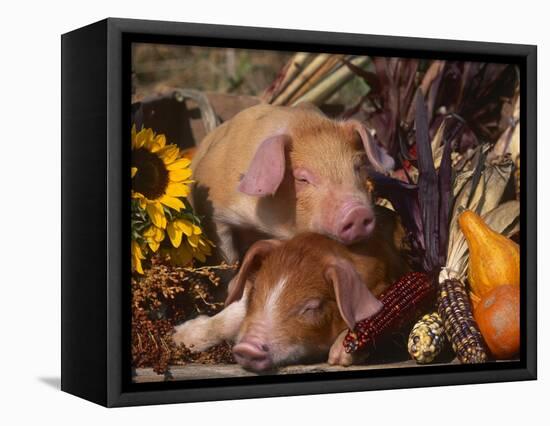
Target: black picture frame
{"type": "Point", "coordinates": [95, 230]}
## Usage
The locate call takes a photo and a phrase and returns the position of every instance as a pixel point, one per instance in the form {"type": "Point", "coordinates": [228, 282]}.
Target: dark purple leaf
{"type": "Point", "coordinates": [385, 125]}
{"type": "Point", "coordinates": [476, 178]}
{"type": "Point", "coordinates": [477, 92]}
{"type": "Point", "coordinates": [445, 192]}
{"type": "Point", "coordinates": [350, 112]}
{"type": "Point", "coordinates": [406, 79]}
{"type": "Point", "coordinates": [404, 199]}
{"type": "Point", "coordinates": [369, 77]}
{"type": "Point", "coordinates": [428, 195]}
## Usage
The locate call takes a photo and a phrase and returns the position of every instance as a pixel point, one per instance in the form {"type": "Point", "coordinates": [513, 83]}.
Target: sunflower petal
{"type": "Point", "coordinates": [175, 234]}
{"type": "Point", "coordinates": [202, 244]}
{"type": "Point", "coordinates": [149, 143]}
{"type": "Point", "coordinates": [185, 226]}
{"type": "Point", "coordinates": [136, 250]}
{"type": "Point", "coordinates": [179, 175]}
{"type": "Point", "coordinates": [193, 241]}
{"type": "Point", "coordinates": [134, 171]}
{"type": "Point", "coordinates": [197, 230]}
{"type": "Point", "coordinates": [172, 202]}
{"type": "Point", "coordinates": [152, 233]}
{"type": "Point", "coordinates": [143, 136]}
{"type": "Point", "coordinates": [199, 256]}
{"type": "Point", "coordinates": [137, 255]}
{"type": "Point", "coordinates": [203, 254]}
{"type": "Point", "coordinates": [182, 256]}
{"type": "Point", "coordinates": [177, 190]}
{"type": "Point", "coordinates": [181, 163]}
{"type": "Point", "coordinates": [159, 236]}
{"type": "Point", "coordinates": [205, 247]}
{"type": "Point", "coordinates": [153, 245]}
{"type": "Point", "coordinates": [149, 232]}
{"type": "Point", "coordinates": [157, 143]}
{"type": "Point", "coordinates": [168, 154]}
{"type": "Point", "coordinates": [136, 265]}
{"type": "Point", "coordinates": [156, 213]}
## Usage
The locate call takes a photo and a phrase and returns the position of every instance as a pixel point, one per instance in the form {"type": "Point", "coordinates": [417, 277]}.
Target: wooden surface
{"type": "Point", "coordinates": [215, 371]}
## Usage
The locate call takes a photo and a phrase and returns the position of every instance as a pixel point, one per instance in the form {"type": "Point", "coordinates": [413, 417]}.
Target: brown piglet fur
{"type": "Point", "coordinates": [292, 301]}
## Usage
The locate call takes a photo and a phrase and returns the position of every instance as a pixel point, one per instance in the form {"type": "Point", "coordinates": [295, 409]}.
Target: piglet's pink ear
{"type": "Point", "coordinates": [267, 168]}
{"type": "Point", "coordinates": [251, 263]}
{"type": "Point", "coordinates": [355, 301]}
{"type": "Point", "coordinates": [376, 154]}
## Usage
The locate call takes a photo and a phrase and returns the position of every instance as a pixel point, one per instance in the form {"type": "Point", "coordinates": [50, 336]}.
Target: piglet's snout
{"type": "Point", "coordinates": [253, 355]}
{"type": "Point", "coordinates": [356, 223]}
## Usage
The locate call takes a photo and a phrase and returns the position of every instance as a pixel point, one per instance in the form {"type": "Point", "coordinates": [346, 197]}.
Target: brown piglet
{"type": "Point", "coordinates": [274, 172]}
{"type": "Point", "coordinates": [293, 301]}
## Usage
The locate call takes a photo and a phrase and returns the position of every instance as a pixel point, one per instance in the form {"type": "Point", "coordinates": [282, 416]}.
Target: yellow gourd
{"type": "Point", "coordinates": [494, 259]}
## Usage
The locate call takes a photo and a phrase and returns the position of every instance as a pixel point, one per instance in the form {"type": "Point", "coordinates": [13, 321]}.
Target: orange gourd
{"type": "Point", "coordinates": [497, 316]}
{"type": "Point", "coordinates": [494, 259]}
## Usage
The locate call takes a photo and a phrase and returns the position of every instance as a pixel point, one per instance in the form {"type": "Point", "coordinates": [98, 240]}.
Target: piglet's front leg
{"type": "Point", "coordinates": [338, 355]}
{"type": "Point", "coordinates": [226, 242]}
{"type": "Point", "coordinates": [203, 332]}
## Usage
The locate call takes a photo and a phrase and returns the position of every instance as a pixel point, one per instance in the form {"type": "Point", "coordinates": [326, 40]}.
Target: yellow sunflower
{"type": "Point", "coordinates": [137, 257]}
{"type": "Point", "coordinates": [154, 236]}
{"type": "Point", "coordinates": [160, 177]}
{"type": "Point", "coordinates": [202, 248]}
{"type": "Point", "coordinates": [195, 245]}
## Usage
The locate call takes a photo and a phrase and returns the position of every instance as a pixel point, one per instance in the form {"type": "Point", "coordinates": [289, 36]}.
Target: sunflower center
{"type": "Point", "coordinates": [151, 178]}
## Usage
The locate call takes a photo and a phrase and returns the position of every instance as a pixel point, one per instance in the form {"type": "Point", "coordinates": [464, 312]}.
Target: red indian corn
{"type": "Point", "coordinates": [400, 302]}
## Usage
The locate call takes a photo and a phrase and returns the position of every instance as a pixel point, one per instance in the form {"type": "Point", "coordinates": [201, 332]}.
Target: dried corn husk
{"type": "Point", "coordinates": [437, 147]}
{"type": "Point", "coordinates": [333, 62]}
{"type": "Point", "coordinates": [331, 84]}
{"type": "Point", "coordinates": [508, 142]}
{"type": "Point", "coordinates": [482, 197]}
{"type": "Point", "coordinates": [287, 74]}
{"type": "Point", "coordinates": [306, 74]}
{"type": "Point", "coordinates": [429, 86]}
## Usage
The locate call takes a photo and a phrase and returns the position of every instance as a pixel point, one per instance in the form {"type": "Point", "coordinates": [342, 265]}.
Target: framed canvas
{"type": "Point", "coordinates": [254, 212]}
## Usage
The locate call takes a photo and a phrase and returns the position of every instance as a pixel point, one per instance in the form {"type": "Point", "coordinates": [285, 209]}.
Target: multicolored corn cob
{"type": "Point", "coordinates": [400, 302]}
{"type": "Point", "coordinates": [426, 339]}
{"type": "Point", "coordinates": [453, 306]}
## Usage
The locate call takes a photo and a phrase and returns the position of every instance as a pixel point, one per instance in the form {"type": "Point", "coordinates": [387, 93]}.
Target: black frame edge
{"type": "Point", "coordinates": [83, 189]}
{"type": "Point", "coordinates": [115, 395]}
{"type": "Point", "coordinates": [116, 213]}
{"type": "Point", "coordinates": [326, 38]}
{"type": "Point", "coordinates": [317, 387]}
{"type": "Point", "coordinates": [529, 191]}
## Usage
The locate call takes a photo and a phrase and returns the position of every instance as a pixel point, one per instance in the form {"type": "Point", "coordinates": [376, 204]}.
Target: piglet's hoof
{"type": "Point", "coordinates": [337, 354]}
{"type": "Point", "coordinates": [195, 334]}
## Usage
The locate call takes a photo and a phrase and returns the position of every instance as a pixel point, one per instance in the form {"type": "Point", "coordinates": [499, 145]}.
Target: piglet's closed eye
{"type": "Point", "coordinates": [355, 301]}
{"type": "Point", "coordinates": [267, 169]}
